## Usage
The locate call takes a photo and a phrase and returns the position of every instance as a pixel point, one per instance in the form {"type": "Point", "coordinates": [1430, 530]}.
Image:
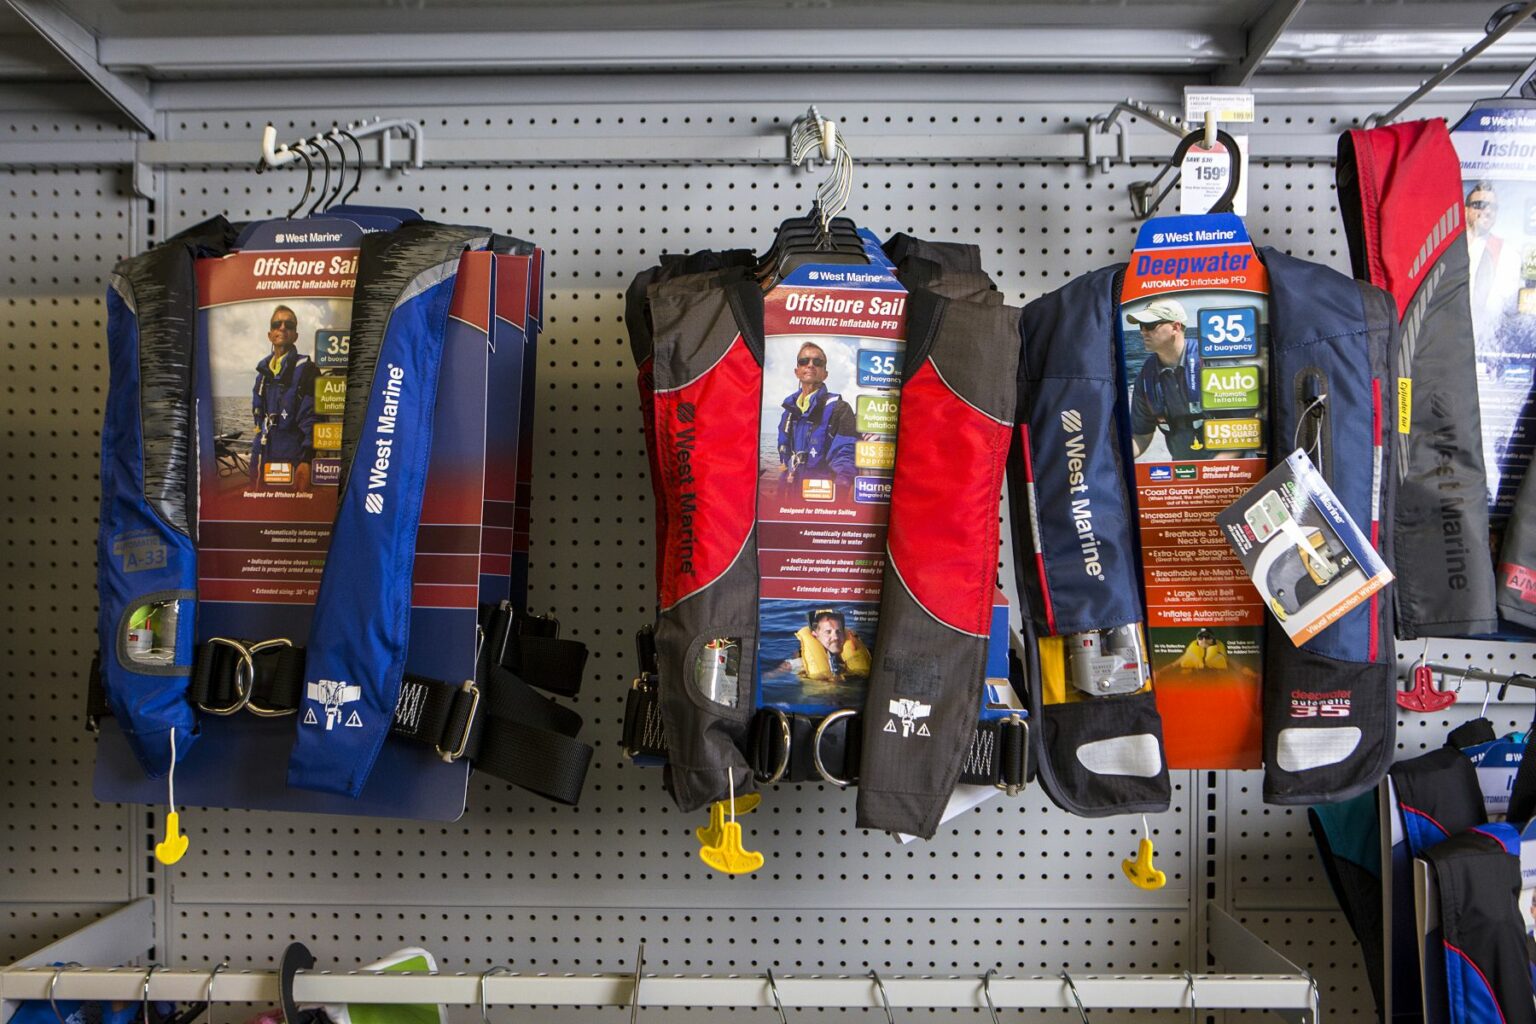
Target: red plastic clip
{"type": "Point", "coordinates": [1424, 697]}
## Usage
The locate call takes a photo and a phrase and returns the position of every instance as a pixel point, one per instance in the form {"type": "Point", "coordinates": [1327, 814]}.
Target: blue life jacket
{"type": "Point", "coordinates": [145, 555]}
{"type": "Point", "coordinates": [808, 445]}
{"type": "Point", "coordinates": [283, 410]}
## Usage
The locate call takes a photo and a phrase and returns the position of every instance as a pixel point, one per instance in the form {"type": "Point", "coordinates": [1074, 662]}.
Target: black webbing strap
{"type": "Point", "coordinates": [997, 756]}
{"type": "Point", "coordinates": [499, 721]}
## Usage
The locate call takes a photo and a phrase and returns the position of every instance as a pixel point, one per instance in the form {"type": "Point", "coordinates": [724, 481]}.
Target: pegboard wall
{"type": "Point", "coordinates": [1013, 883]}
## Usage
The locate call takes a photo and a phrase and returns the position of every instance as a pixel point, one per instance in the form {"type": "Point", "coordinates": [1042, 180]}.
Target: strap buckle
{"type": "Point", "coordinates": [450, 756]}
{"type": "Point", "coordinates": [250, 703]}
{"type": "Point", "coordinates": [821, 731]}
{"type": "Point", "coordinates": [245, 677]}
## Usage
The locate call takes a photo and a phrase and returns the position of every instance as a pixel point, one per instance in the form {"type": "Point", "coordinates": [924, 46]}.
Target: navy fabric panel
{"type": "Point", "coordinates": [1325, 335]}
{"type": "Point", "coordinates": [1071, 401]}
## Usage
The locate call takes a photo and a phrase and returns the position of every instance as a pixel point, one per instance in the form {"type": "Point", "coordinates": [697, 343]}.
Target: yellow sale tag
{"type": "Point", "coordinates": [1404, 404]}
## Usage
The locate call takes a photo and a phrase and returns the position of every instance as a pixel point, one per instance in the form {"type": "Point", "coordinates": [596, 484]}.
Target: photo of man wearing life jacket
{"type": "Point", "coordinates": [829, 651]}
{"type": "Point", "coordinates": [1166, 394]}
{"type": "Point", "coordinates": [283, 408]}
{"type": "Point", "coordinates": [817, 428]}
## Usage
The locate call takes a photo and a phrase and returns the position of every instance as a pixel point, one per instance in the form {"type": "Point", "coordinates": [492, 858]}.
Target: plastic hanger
{"type": "Point", "coordinates": [1223, 204]}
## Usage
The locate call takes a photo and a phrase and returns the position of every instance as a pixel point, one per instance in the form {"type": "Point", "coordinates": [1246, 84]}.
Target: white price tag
{"type": "Point", "coordinates": [1203, 178]}
{"type": "Point", "coordinates": [1232, 106]}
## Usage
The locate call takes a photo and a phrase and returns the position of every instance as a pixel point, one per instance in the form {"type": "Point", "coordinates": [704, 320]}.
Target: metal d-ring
{"type": "Point", "coordinates": [986, 992]}
{"type": "Point", "coordinates": [245, 677]}
{"type": "Point", "coordinates": [773, 990]}
{"type": "Point", "coordinates": [485, 1017]}
{"type": "Point", "coordinates": [885, 1000]}
{"type": "Point", "coordinates": [784, 732]}
{"type": "Point", "coordinates": [53, 983]}
{"type": "Point", "coordinates": [250, 702]}
{"type": "Point", "coordinates": [821, 769]}
{"type": "Point", "coordinates": [1072, 987]}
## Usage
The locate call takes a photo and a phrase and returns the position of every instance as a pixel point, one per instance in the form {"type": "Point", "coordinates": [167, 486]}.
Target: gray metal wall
{"type": "Point", "coordinates": [1014, 883]}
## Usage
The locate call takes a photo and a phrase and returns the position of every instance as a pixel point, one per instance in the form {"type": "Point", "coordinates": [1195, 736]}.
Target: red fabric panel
{"type": "Point", "coordinates": [706, 450]}
{"type": "Point", "coordinates": [944, 502]}
{"type": "Point", "coordinates": [1410, 185]}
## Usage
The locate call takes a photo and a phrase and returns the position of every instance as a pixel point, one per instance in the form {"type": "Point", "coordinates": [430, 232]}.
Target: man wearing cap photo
{"type": "Point", "coordinates": [1166, 394]}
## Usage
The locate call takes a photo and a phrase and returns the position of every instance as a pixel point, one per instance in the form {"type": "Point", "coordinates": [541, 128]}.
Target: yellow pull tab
{"type": "Point", "coordinates": [1141, 872]}
{"type": "Point", "coordinates": [175, 845]}
{"type": "Point", "coordinates": [729, 857]}
{"type": "Point", "coordinates": [712, 834]}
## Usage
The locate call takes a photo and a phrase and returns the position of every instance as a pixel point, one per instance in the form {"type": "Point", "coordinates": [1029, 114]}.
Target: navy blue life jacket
{"type": "Point", "coordinates": [283, 410]}
{"type": "Point", "coordinates": [809, 445]}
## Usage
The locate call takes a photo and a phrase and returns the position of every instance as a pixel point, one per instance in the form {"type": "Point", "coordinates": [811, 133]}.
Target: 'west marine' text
{"type": "Point", "coordinates": [687, 499]}
{"type": "Point", "coordinates": [378, 473]}
{"type": "Point", "coordinates": [1082, 508]}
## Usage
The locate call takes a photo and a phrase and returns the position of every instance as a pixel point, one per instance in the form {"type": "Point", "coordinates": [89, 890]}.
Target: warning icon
{"type": "Point", "coordinates": [890, 726]}
{"type": "Point", "coordinates": [353, 721]}
{"type": "Point", "coordinates": [309, 717]}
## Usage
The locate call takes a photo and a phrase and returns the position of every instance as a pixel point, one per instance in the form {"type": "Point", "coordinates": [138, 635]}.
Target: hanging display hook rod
{"type": "Point", "coordinates": [273, 155]}
{"type": "Point", "coordinates": [1504, 21]}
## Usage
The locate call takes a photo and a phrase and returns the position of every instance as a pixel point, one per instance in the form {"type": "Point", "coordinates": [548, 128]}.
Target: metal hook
{"type": "Point", "coordinates": [212, 977]}
{"type": "Point", "coordinates": [634, 997]}
{"type": "Point", "coordinates": [53, 982]}
{"type": "Point", "coordinates": [1072, 987]}
{"type": "Point", "coordinates": [1189, 979]}
{"type": "Point", "coordinates": [885, 1000]}
{"type": "Point", "coordinates": [773, 990]}
{"type": "Point", "coordinates": [309, 179]}
{"type": "Point", "coordinates": [986, 991]}
{"type": "Point", "coordinates": [145, 994]}
{"type": "Point", "coordinates": [485, 1017]}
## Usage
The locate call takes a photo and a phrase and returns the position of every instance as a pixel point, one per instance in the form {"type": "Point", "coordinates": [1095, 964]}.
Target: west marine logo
{"type": "Point", "coordinates": [1077, 484]}
{"type": "Point", "coordinates": [384, 443]}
